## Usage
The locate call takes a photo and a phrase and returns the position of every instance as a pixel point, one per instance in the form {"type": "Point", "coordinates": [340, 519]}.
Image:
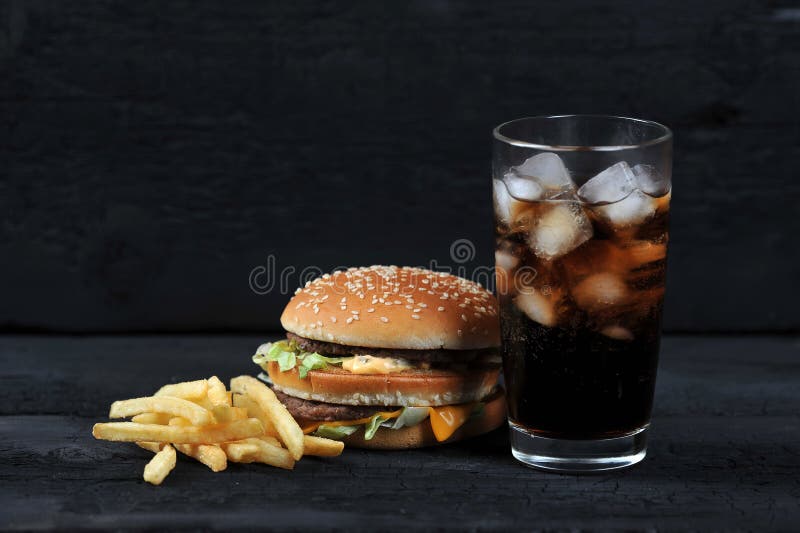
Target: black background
{"type": "Point", "coordinates": [153, 153]}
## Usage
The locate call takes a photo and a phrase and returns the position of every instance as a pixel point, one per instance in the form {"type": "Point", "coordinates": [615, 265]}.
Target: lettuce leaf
{"type": "Point", "coordinates": [287, 354]}
{"type": "Point", "coordinates": [315, 361]}
{"type": "Point", "coordinates": [372, 426]}
{"type": "Point", "coordinates": [335, 432]}
{"type": "Point", "coordinates": [411, 416]}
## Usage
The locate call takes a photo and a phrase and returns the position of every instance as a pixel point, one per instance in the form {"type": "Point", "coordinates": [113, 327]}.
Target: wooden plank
{"type": "Point", "coordinates": [154, 155]}
{"type": "Point", "coordinates": [705, 472]}
{"type": "Point", "coordinates": [724, 452]}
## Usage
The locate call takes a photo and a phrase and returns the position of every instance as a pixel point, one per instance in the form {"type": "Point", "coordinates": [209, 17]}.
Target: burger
{"type": "Point", "coordinates": [389, 357]}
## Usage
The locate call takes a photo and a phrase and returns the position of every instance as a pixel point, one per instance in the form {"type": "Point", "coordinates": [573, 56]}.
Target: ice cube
{"type": "Point", "coordinates": [611, 185]}
{"type": "Point", "coordinates": [523, 188]}
{"type": "Point", "coordinates": [650, 180]}
{"type": "Point", "coordinates": [537, 306]}
{"type": "Point", "coordinates": [509, 209]}
{"type": "Point", "coordinates": [617, 332]}
{"type": "Point", "coordinates": [502, 201]}
{"type": "Point", "coordinates": [561, 229]}
{"type": "Point", "coordinates": [633, 209]}
{"type": "Point", "coordinates": [548, 170]}
{"type": "Point", "coordinates": [600, 290]}
{"type": "Point", "coordinates": [641, 252]}
{"type": "Point", "coordinates": [624, 196]}
{"type": "Point", "coordinates": [505, 260]}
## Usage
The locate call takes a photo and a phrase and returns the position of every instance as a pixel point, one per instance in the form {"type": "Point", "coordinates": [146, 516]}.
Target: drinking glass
{"type": "Point", "coordinates": [581, 207]}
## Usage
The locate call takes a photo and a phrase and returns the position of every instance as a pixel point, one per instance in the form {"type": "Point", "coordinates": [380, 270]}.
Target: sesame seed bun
{"type": "Point", "coordinates": [433, 387]}
{"type": "Point", "coordinates": [395, 307]}
{"type": "Point", "coordinates": [421, 435]}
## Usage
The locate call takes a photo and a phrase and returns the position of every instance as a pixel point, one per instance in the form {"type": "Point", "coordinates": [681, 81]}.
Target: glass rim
{"type": "Point", "coordinates": [666, 135]}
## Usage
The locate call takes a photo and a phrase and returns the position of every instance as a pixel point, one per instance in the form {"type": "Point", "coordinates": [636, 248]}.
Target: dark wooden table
{"type": "Point", "coordinates": [724, 452]}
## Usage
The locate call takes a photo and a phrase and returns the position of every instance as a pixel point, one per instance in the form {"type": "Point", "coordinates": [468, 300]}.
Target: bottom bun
{"type": "Point", "coordinates": [421, 435]}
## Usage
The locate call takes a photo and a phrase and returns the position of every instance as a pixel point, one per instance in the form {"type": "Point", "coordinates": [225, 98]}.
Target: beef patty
{"type": "Point", "coordinates": [426, 356]}
{"type": "Point", "coordinates": [328, 412]}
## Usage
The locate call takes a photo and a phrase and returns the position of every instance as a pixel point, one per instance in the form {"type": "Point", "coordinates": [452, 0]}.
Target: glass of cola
{"type": "Point", "coordinates": [581, 207]}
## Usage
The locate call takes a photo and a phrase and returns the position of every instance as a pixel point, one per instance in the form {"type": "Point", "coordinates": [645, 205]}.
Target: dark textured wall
{"type": "Point", "coordinates": [153, 153]}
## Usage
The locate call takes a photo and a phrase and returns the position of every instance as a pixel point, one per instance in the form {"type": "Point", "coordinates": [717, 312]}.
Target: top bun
{"type": "Point", "coordinates": [394, 307]}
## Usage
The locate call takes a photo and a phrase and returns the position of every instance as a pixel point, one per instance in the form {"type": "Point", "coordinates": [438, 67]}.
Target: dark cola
{"type": "Point", "coordinates": [581, 287]}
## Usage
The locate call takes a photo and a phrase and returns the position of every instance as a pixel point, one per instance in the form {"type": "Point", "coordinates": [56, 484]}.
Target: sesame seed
{"type": "Point", "coordinates": [349, 320]}
{"type": "Point", "coordinates": [384, 319]}
{"type": "Point", "coordinates": [371, 310]}
{"type": "Point", "coordinates": [462, 305]}
{"type": "Point", "coordinates": [354, 312]}
{"type": "Point", "coordinates": [440, 308]}
{"type": "Point", "coordinates": [464, 318]}
{"type": "Point", "coordinates": [343, 307]}
{"type": "Point", "coordinates": [460, 333]}
{"type": "Point", "coordinates": [415, 317]}
{"type": "Point", "coordinates": [333, 319]}
{"type": "Point", "coordinates": [423, 304]}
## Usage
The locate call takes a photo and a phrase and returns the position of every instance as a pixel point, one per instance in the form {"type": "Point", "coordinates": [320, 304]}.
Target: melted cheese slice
{"type": "Point", "coordinates": [444, 420]}
{"type": "Point", "coordinates": [447, 419]}
{"type": "Point", "coordinates": [369, 364]}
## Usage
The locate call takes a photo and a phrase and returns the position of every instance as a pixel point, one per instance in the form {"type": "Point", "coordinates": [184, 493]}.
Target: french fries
{"type": "Point", "coordinates": [322, 447]}
{"type": "Point", "coordinates": [254, 410]}
{"type": "Point", "coordinates": [210, 455]}
{"type": "Point", "coordinates": [203, 420]}
{"type": "Point", "coordinates": [289, 431]}
{"type": "Point", "coordinates": [162, 404]}
{"type": "Point", "coordinates": [188, 390]}
{"type": "Point", "coordinates": [152, 418]}
{"type": "Point", "coordinates": [260, 451]}
{"type": "Point", "coordinates": [133, 432]}
{"type": "Point", "coordinates": [226, 413]}
{"type": "Point", "coordinates": [160, 465]}
{"type": "Point", "coordinates": [217, 394]}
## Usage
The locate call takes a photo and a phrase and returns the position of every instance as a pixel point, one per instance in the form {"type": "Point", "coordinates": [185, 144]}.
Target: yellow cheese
{"type": "Point", "coordinates": [368, 364]}
{"type": "Point", "coordinates": [447, 419]}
